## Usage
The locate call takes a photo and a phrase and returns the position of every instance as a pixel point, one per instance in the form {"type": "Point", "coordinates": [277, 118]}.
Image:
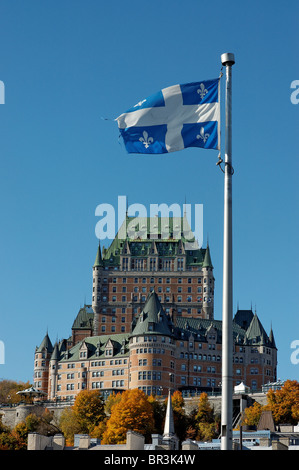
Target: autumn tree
{"type": "Point", "coordinates": [133, 412]}
{"type": "Point", "coordinates": [252, 414]}
{"type": "Point", "coordinates": [9, 389]}
{"type": "Point", "coordinates": [206, 421]}
{"type": "Point", "coordinates": [88, 409]}
{"type": "Point", "coordinates": [159, 410]}
{"type": "Point", "coordinates": [284, 403]}
{"type": "Point", "coordinates": [179, 415]}
{"type": "Point", "coordinates": [84, 416]}
{"type": "Point", "coordinates": [111, 400]}
{"type": "Point", "coordinates": [69, 425]}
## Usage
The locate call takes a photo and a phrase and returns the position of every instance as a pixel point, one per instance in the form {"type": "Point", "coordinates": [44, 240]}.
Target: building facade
{"type": "Point", "coordinates": [151, 323]}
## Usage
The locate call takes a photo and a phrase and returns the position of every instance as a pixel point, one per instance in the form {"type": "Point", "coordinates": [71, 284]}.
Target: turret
{"type": "Point", "coordinates": [152, 333]}
{"type": "Point", "coordinates": [41, 364]}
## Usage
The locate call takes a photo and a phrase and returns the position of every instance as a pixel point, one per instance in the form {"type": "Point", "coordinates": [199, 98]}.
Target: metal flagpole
{"type": "Point", "coordinates": [228, 61]}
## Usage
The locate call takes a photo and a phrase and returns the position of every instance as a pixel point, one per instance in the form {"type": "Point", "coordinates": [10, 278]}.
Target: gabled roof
{"type": "Point", "coordinates": [97, 344]}
{"type": "Point", "coordinates": [199, 327]}
{"type": "Point", "coordinates": [152, 319]}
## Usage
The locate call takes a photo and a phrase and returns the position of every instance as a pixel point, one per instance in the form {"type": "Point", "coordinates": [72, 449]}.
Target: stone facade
{"type": "Point", "coordinates": [151, 326]}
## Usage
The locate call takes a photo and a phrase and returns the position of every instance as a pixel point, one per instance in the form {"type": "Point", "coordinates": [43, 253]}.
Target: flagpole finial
{"type": "Point", "coordinates": [228, 58]}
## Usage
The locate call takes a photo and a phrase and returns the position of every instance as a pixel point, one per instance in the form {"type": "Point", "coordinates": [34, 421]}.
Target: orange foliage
{"type": "Point", "coordinates": [133, 412]}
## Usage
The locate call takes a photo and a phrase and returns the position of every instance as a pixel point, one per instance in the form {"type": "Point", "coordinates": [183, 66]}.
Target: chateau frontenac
{"type": "Point", "coordinates": [151, 323]}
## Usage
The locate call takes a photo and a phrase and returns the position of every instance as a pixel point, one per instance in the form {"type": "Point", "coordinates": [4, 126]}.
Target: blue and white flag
{"type": "Point", "coordinates": [175, 118]}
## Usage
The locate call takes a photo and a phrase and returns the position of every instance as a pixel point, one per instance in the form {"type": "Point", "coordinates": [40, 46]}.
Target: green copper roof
{"type": "Point", "coordinates": [152, 319]}
{"type": "Point", "coordinates": [98, 260]}
{"type": "Point", "coordinates": [96, 346]}
{"type": "Point", "coordinates": [271, 338]}
{"type": "Point", "coordinates": [136, 239]}
{"type": "Point", "coordinates": [45, 344]}
{"type": "Point", "coordinates": [84, 318]}
{"type": "Point", "coordinates": [207, 263]}
{"type": "Point", "coordinates": [255, 333]}
{"type": "Point", "coordinates": [55, 353]}
{"type": "Point", "coordinates": [199, 327]}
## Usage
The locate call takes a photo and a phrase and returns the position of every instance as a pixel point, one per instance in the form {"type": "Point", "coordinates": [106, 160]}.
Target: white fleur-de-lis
{"type": "Point", "coordinates": [146, 140]}
{"type": "Point", "coordinates": [202, 135]}
{"type": "Point", "coordinates": [202, 91]}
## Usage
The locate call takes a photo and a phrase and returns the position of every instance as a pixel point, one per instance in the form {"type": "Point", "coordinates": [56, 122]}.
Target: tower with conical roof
{"type": "Point", "coordinates": [152, 349]}
{"type": "Point", "coordinates": [41, 364]}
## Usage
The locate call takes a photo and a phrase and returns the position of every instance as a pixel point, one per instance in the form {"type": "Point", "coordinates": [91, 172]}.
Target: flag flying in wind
{"type": "Point", "coordinates": [175, 118]}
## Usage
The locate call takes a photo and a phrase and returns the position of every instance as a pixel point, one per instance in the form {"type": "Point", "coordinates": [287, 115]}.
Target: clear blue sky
{"type": "Point", "coordinates": [65, 65]}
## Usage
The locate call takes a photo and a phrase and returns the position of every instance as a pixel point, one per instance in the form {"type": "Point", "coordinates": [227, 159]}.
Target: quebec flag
{"type": "Point", "coordinates": [175, 118]}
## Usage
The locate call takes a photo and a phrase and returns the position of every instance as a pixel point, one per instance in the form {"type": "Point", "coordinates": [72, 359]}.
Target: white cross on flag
{"type": "Point", "coordinates": [175, 118]}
